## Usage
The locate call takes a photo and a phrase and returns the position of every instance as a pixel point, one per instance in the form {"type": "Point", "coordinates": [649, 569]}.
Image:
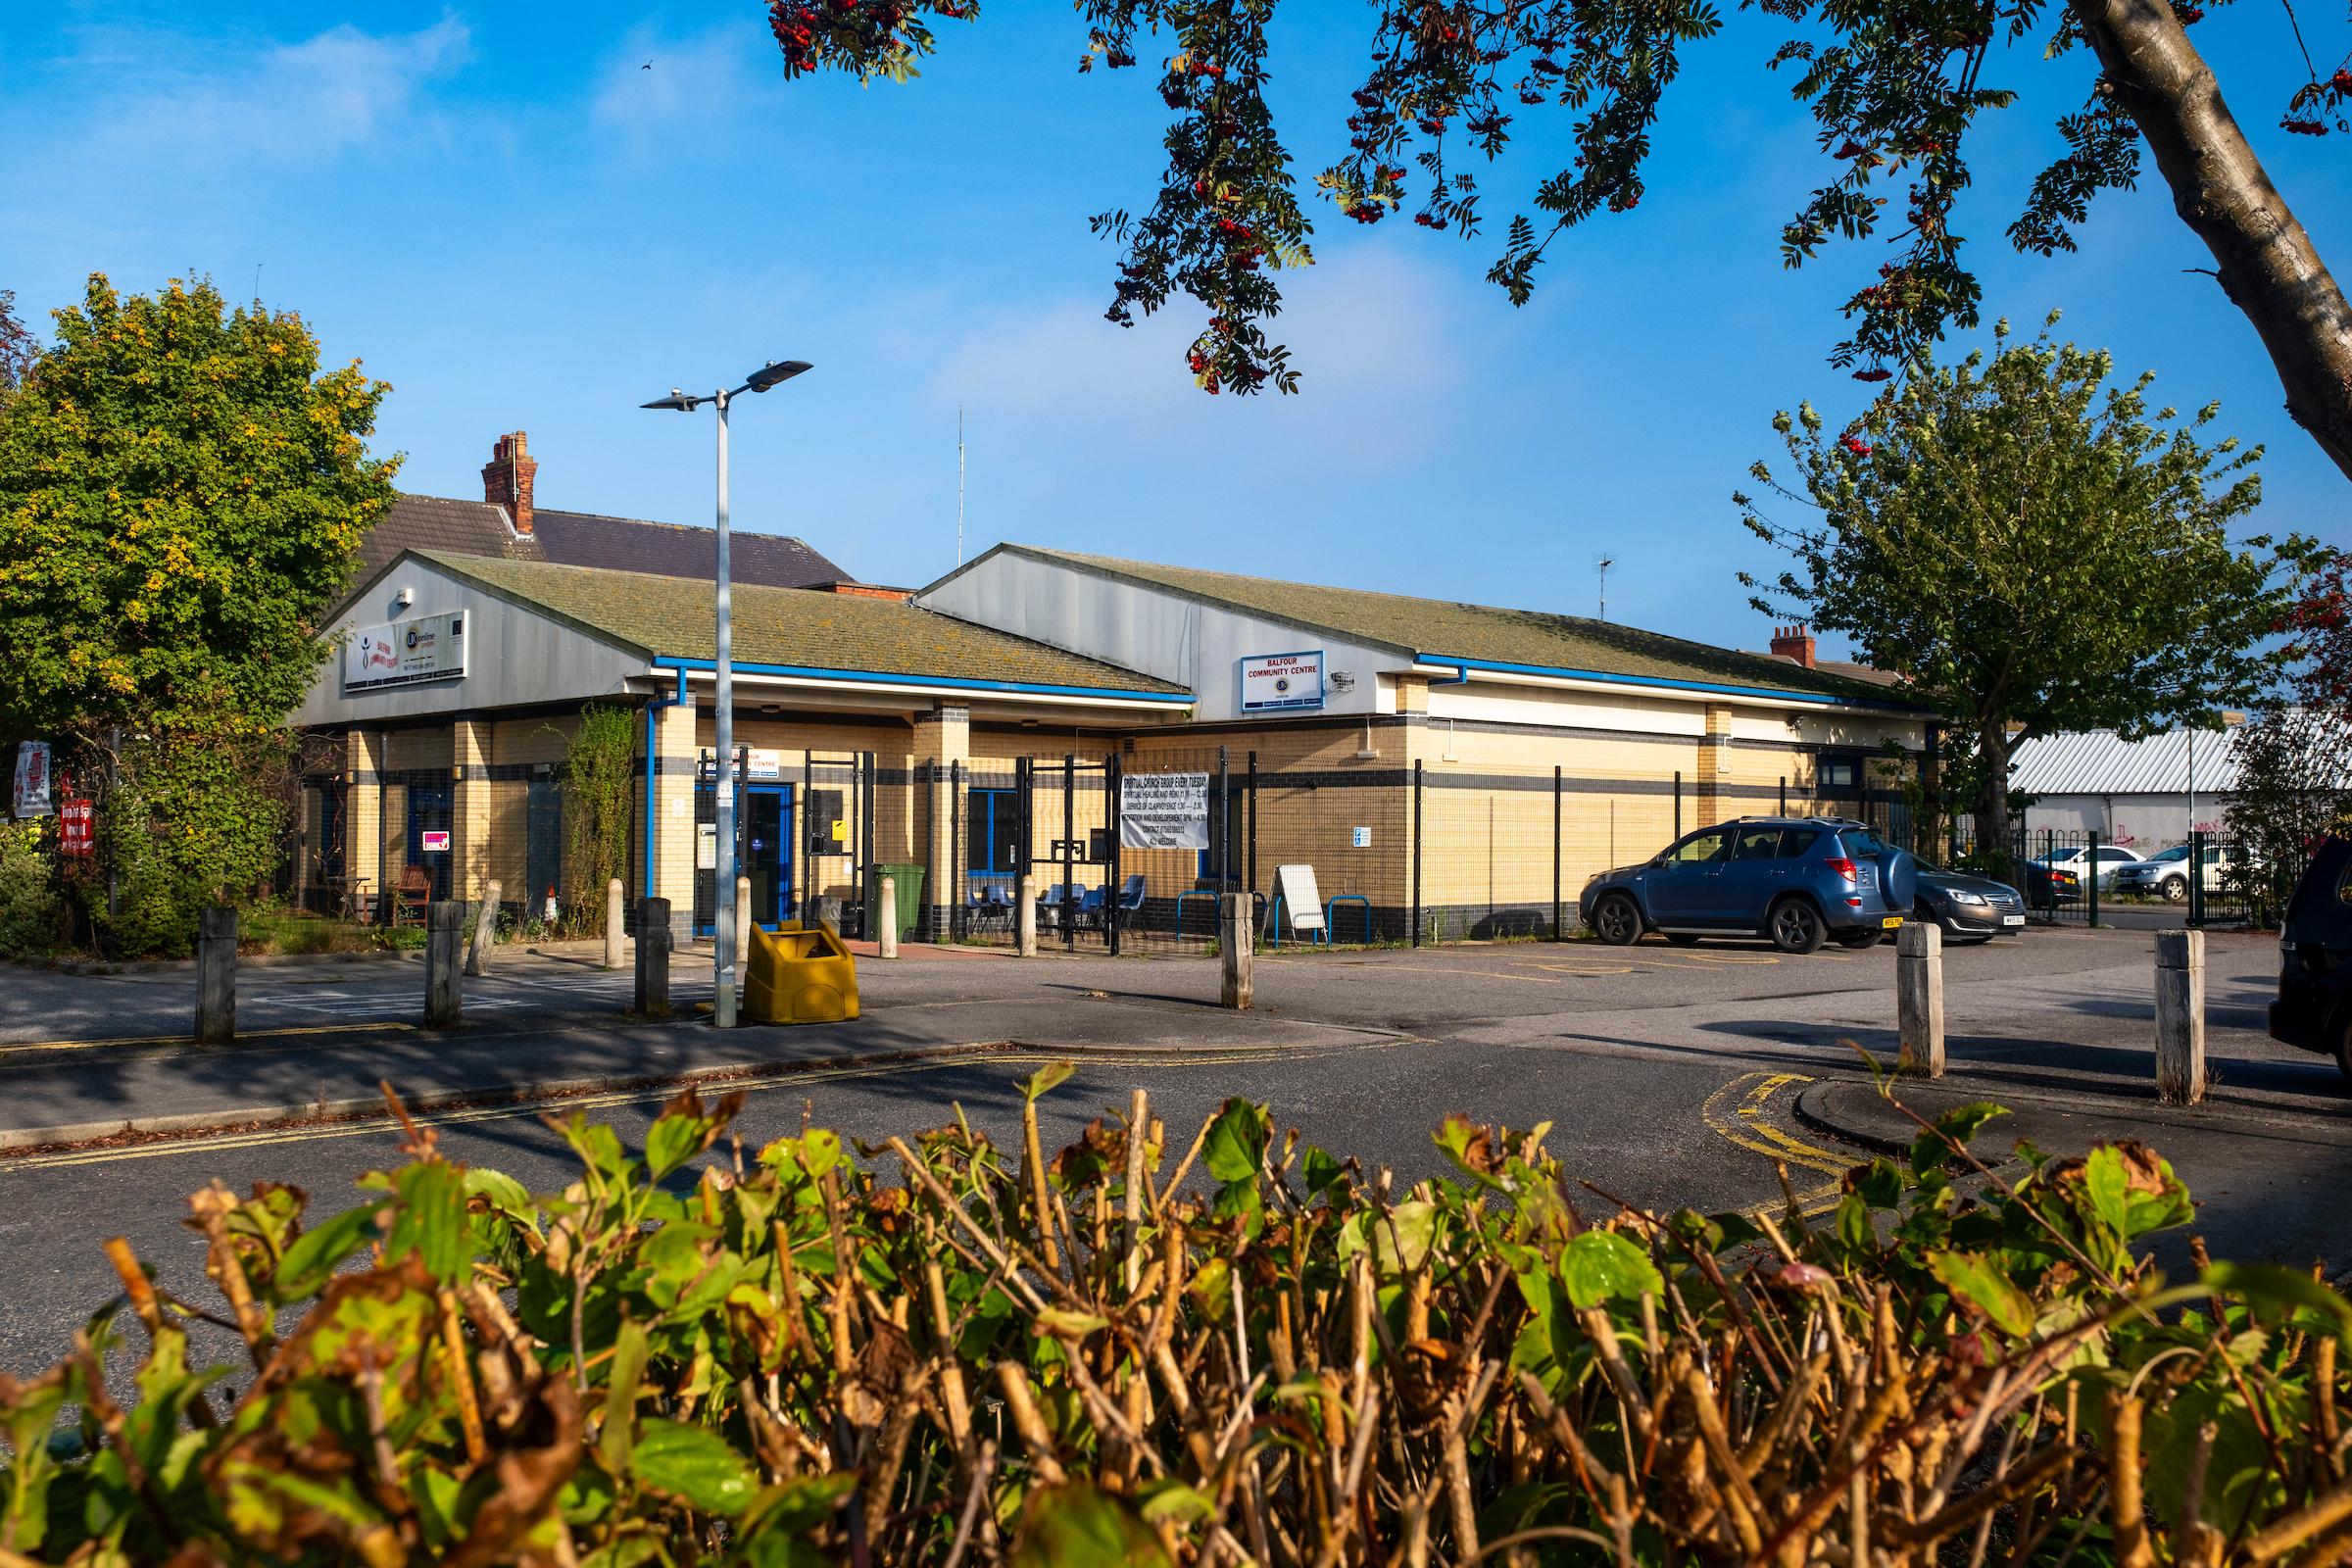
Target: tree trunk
{"type": "Point", "coordinates": [2267, 264]}
{"type": "Point", "coordinates": [1993, 796]}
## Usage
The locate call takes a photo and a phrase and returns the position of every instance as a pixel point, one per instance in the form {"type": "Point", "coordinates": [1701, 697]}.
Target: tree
{"type": "Point", "coordinates": [2294, 760]}
{"type": "Point", "coordinates": [18, 350]}
{"type": "Point", "coordinates": [1893, 88]}
{"type": "Point", "coordinates": [2033, 550]}
{"type": "Point", "coordinates": [181, 495]}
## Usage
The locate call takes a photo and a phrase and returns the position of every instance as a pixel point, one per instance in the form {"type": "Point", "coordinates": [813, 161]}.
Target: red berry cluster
{"type": "Point", "coordinates": [1874, 374]}
{"type": "Point", "coordinates": [1856, 445]}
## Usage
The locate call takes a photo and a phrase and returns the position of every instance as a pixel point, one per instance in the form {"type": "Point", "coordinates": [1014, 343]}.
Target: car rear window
{"type": "Point", "coordinates": [1796, 841]}
{"type": "Point", "coordinates": [1861, 842]}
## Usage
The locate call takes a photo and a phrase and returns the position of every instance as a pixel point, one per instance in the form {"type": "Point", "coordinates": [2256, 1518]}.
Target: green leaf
{"type": "Point", "coordinates": [502, 1193]}
{"type": "Point", "coordinates": [2108, 1187]}
{"type": "Point", "coordinates": [1077, 1526]}
{"type": "Point", "coordinates": [1400, 1241]}
{"type": "Point", "coordinates": [430, 1219]}
{"type": "Point", "coordinates": [1602, 1265]}
{"type": "Point", "coordinates": [1043, 1082]}
{"type": "Point", "coordinates": [1981, 1285]}
{"type": "Point", "coordinates": [624, 1374]}
{"type": "Point", "coordinates": [1064, 1324]}
{"type": "Point", "coordinates": [2271, 1286]}
{"type": "Point", "coordinates": [1237, 1140]}
{"type": "Point", "coordinates": [694, 1465]}
{"type": "Point", "coordinates": [1962, 1123]}
{"type": "Point", "coordinates": [1173, 1502]}
{"type": "Point", "coordinates": [1320, 1170]}
{"type": "Point", "coordinates": [802, 1503]}
{"type": "Point", "coordinates": [318, 1251]}
{"type": "Point", "coordinates": [681, 1132]}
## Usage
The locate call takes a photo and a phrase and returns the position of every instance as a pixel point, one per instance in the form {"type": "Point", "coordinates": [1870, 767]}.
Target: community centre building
{"type": "Point", "coordinates": [1439, 765]}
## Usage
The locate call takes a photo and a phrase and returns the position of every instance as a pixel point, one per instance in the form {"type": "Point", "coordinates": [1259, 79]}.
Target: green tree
{"type": "Point", "coordinates": [1894, 91]}
{"type": "Point", "coordinates": [18, 350]}
{"type": "Point", "coordinates": [181, 494]}
{"type": "Point", "coordinates": [2033, 550]}
{"type": "Point", "coordinates": [599, 775]}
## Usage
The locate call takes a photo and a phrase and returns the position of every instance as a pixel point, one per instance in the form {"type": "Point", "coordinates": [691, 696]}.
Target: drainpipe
{"type": "Point", "coordinates": [1459, 677]}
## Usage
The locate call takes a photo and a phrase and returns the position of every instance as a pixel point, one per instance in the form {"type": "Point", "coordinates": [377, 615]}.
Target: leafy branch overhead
{"type": "Point", "coordinates": [1895, 93]}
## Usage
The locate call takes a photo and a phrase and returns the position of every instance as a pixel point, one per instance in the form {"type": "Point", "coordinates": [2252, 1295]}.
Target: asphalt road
{"type": "Point", "coordinates": [1670, 1075]}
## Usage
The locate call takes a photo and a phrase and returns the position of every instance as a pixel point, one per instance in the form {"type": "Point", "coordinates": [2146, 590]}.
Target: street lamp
{"type": "Point", "coordinates": [722, 958]}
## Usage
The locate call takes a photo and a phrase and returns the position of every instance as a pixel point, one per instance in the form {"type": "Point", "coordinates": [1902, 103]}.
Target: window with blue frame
{"type": "Point", "coordinates": [992, 837]}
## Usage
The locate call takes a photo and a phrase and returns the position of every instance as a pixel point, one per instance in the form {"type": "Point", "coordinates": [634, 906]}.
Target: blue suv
{"type": "Point", "coordinates": [1799, 881]}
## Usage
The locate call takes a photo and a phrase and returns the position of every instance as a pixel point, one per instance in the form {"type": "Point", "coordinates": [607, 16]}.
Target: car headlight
{"type": "Point", "coordinates": [1959, 896]}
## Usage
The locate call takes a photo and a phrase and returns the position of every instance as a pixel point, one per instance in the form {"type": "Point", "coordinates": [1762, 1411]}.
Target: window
{"type": "Point", "coordinates": [1839, 773]}
{"type": "Point", "coordinates": [1796, 841]}
{"type": "Point", "coordinates": [1756, 844]}
{"type": "Point", "coordinates": [1698, 849]}
{"type": "Point", "coordinates": [1861, 842]}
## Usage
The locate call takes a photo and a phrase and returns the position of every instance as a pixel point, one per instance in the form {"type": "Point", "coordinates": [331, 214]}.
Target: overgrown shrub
{"type": "Point", "coordinates": [598, 783]}
{"type": "Point", "coordinates": [195, 815]}
{"type": "Point", "coordinates": [968, 1355]}
{"type": "Point", "coordinates": [30, 908]}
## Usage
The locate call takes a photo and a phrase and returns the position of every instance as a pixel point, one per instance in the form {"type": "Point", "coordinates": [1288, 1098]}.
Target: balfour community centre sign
{"type": "Point", "coordinates": [1271, 683]}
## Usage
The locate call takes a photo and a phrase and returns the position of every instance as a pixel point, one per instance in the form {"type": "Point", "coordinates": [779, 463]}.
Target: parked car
{"type": "Point", "coordinates": [1799, 881]}
{"type": "Point", "coordinates": [2314, 1009]}
{"type": "Point", "coordinates": [1969, 909]}
{"type": "Point", "coordinates": [2077, 858]}
{"type": "Point", "coordinates": [2048, 886]}
{"type": "Point", "coordinates": [2165, 873]}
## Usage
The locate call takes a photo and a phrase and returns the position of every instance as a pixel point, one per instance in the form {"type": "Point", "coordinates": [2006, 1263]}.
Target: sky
{"type": "Point", "coordinates": [498, 210]}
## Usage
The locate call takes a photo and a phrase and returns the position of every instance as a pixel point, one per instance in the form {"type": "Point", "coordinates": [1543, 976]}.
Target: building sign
{"type": "Point", "coordinates": [1272, 682]}
{"type": "Point", "coordinates": [435, 840]}
{"type": "Point", "coordinates": [1363, 838]}
{"type": "Point", "coordinates": [1164, 810]}
{"type": "Point", "coordinates": [75, 833]}
{"type": "Point", "coordinates": [763, 763]}
{"type": "Point", "coordinates": [406, 652]}
{"type": "Point", "coordinates": [32, 778]}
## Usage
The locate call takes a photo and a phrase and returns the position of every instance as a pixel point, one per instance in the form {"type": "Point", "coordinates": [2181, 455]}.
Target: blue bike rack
{"type": "Point", "coordinates": [1196, 892]}
{"type": "Point", "coordinates": [1337, 899]}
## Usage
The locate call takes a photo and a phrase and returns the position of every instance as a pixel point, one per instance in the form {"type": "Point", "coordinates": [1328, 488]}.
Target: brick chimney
{"type": "Point", "coordinates": [1788, 642]}
{"type": "Point", "coordinates": [507, 476]}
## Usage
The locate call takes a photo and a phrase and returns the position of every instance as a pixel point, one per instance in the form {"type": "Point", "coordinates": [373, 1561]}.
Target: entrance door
{"type": "Point", "coordinates": [428, 813]}
{"type": "Point", "coordinates": [767, 853]}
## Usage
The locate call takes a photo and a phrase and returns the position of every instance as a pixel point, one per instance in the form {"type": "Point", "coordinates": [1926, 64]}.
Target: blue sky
{"type": "Point", "coordinates": [508, 219]}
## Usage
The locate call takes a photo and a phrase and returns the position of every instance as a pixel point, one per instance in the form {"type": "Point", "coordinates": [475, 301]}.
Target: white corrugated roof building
{"type": "Point", "coordinates": [2100, 761]}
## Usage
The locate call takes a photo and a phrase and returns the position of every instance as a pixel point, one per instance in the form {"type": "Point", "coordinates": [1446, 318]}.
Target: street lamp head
{"type": "Point", "coordinates": [676, 400]}
{"type": "Point", "coordinates": [775, 374]}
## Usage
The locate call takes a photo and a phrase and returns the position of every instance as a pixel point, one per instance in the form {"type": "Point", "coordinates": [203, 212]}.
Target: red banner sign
{"type": "Point", "coordinates": [76, 835]}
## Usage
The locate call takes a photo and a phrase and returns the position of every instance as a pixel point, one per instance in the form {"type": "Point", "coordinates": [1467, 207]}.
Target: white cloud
{"type": "Point", "coordinates": [698, 85]}
{"type": "Point", "coordinates": [279, 103]}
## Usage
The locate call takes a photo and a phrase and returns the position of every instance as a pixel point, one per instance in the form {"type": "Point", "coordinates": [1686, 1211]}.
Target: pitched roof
{"type": "Point", "coordinates": [2099, 761]}
{"type": "Point", "coordinates": [677, 550]}
{"type": "Point", "coordinates": [431, 523]}
{"type": "Point", "coordinates": [671, 617]}
{"type": "Point", "coordinates": [1442, 630]}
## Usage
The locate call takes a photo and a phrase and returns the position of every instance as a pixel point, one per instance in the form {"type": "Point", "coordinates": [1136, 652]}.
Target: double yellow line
{"type": "Point", "coordinates": [126, 1042]}
{"type": "Point", "coordinates": [1737, 1112]}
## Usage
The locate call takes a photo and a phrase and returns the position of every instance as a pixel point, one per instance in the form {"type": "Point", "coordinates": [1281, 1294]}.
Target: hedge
{"type": "Point", "coordinates": [932, 1350]}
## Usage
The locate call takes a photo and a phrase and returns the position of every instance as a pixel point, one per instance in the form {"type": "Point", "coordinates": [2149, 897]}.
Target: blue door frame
{"type": "Point", "coordinates": [763, 828]}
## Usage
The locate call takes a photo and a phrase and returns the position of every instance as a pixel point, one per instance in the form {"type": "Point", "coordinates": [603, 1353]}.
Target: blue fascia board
{"type": "Point", "coordinates": [953, 682]}
{"type": "Point", "coordinates": [1612, 678]}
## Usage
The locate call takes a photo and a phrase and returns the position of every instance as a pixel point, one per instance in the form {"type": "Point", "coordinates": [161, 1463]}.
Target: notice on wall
{"type": "Point", "coordinates": [32, 778]}
{"type": "Point", "coordinates": [1272, 682]}
{"type": "Point", "coordinates": [406, 652]}
{"type": "Point", "coordinates": [705, 846]}
{"type": "Point", "coordinates": [77, 828]}
{"type": "Point", "coordinates": [1362, 839]}
{"type": "Point", "coordinates": [434, 841]}
{"type": "Point", "coordinates": [1164, 810]}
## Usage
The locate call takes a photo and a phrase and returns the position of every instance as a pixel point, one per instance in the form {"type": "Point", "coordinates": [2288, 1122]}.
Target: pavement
{"type": "Point", "coordinates": [1670, 1076]}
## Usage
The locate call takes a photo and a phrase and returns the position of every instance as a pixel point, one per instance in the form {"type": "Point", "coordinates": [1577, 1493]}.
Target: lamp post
{"type": "Point", "coordinates": [722, 956]}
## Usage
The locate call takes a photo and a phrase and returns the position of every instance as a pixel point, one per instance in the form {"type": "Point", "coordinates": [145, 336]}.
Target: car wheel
{"type": "Point", "coordinates": [2176, 890]}
{"type": "Point", "coordinates": [1617, 921]}
{"type": "Point", "coordinates": [1683, 939]}
{"type": "Point", "coordinates": [1795, 926]}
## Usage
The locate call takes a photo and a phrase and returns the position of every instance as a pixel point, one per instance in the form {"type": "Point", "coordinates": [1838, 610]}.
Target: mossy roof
{"type": "Point", "coordinates": [672, 617]}
{"type": "Point", "coordinates": [1439, 630]}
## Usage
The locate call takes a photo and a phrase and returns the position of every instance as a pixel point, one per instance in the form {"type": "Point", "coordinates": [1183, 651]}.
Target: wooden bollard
{"type": "Point", "coordinates": [613, 923]}
{"type": "Point", "coordinates": [216, 975]}
{"type": "Point", "coordinates": [2180, 1017]}
{"type": "Point", "coordinates": [742, 920]}
{"type": "Point", "coordinates": [444, 956]}
{"type": "Point", "coordinates": [1235, 940]}
{"type": "Point", "coordinates": [1919, 998]}
{"type": "Point", "coordinates": [485, 932]}
{"type": "Point", "coordinates": [1028, 916]}
{"type": "Point", "coordinates": [887, 934]}
{"type": "Point", "coordinates": [653, 958]}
